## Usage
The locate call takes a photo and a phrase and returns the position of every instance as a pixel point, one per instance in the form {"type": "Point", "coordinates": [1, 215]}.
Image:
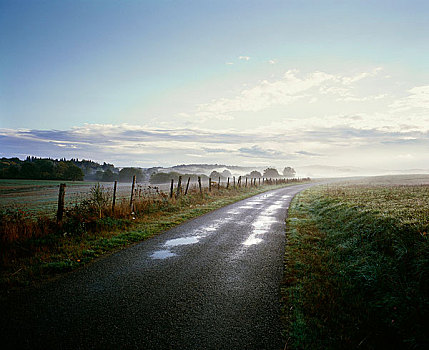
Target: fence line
{"type": "Point", "coordinates": [137, 192]}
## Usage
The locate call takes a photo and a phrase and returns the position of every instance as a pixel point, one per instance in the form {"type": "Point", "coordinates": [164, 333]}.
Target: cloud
{"type": "Point", "coordinates": [360, 76]}
{"type": "Point", "coordinates": [272, 61]}
{"type": "Point", "coordinates": [313, 117]}
{"type": "Point", "coordinates": [139, 145]}
{"type": "Point", "coordinates": [244, 58]}
{"type": "Point", "coordinates": [292, 87]}
{"type": "Point", "coordinates": [264, 95]}
{"type": "Point", "coordinates": [362, 99]}
{"type": "Point", "coordinates": [216, 150]}
{"type": "Point", "coordinates": [418, 98]}
{"type": "Point", "coordinates": [311, 154]}
{"type": "Point", "coordinates": [256, 151]}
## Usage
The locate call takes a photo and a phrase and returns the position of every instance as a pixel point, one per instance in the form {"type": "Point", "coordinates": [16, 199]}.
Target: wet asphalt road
{"type": "Point", "coordinates": [211, 283]}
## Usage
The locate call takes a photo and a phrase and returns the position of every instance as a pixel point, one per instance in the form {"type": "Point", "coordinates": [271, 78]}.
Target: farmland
{"type": "Point", "coordinates": [41, 196]}
{"type": "Point", "coordinates": [357, 267]}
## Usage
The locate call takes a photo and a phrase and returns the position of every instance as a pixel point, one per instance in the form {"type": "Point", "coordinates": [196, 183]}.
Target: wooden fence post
{"type": "Point", "coordinates": [187, 186]}
{"type": "Point", "coordinates": [227, 183]}
{"type": "Point", "coordinates": [259, 181]}
{"type": "Point", "coordinates": [246, 183]}
{"type": "Point", "coordinates": [132, 193]}
{"type": "Point", "coordinates": [210, 184]}
{"type": "Point", "coordinates": [60, 210]}
{"type": "Point", "coordinates": [239, 181]}
{"type": "Point", "coordinates": [218, 184]}
{"type": "Point", "coordinates": [171, 188]}
{"type": "Point", "coordinates": [179, 187]}
{"type": "Point", "coordinates": [114, 196]}
{"type": "Point", "coordinates": [199, 184]}
{"type": "Point", "coordinates": [233, 181]}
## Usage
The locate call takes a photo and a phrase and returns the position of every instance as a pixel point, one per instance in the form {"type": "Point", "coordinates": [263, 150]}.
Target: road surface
{"type": "Point", "coordinates": [211, 283]}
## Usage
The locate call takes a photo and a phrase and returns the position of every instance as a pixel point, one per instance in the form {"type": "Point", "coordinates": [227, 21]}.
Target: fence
{"type": "Point", "coordinates": [175, 191]}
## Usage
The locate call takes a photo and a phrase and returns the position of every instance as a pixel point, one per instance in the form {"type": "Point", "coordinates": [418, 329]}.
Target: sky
{"type": "Point", "coordinates": [252, 83]}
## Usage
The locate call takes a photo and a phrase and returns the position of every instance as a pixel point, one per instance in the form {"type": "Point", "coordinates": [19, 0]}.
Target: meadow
{"type": "Point", "coordinates": [41, 196]}
{"type": "Point", "coordinates": [357, 265]}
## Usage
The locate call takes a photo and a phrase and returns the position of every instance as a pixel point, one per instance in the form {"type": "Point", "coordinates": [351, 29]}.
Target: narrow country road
{"type": "Point", "coordinates": [211, 283]}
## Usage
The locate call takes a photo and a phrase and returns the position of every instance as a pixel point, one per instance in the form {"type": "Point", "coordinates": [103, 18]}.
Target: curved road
{"type": "Point", "coordinates": [211, 283]}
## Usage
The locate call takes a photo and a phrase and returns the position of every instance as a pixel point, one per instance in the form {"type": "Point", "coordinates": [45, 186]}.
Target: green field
{"type": "Point", "coordinates": [357, 265]}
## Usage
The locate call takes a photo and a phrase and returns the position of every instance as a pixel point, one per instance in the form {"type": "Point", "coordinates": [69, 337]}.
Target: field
{"type": "Point", "coordinates": [41, 196]}
{"type": "Point", "coordinates": [357, 265]}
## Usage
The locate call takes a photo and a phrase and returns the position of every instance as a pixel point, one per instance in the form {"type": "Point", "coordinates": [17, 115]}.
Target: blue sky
{"type": "Point", "coordinates": [247, 82]}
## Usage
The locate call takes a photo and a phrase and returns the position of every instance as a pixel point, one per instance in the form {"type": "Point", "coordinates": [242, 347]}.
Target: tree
{"type": "Point", "coordinates": [126, 174]}
{"type": "Point", "coordinates": [73, 172]}
{"type": "Point", "coordinates": [289, 172]}
{"type": "Point", "coordinates": [109, 176]}
{"type": "Point", "coordinates": [255, 174]}
{"type": "Point", "coordinates": [29, 171]}
{"type": "Point", "coordinates": [46, 168]}
{"type": "Point", "coordinates": [271, 172]}
{"type": "Point", "coordinates": [226, 173]}
{"type": "Point", "coordinates": [214, 175]}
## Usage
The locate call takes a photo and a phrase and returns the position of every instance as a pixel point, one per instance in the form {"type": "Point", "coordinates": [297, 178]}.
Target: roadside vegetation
{"type": "Point", "coordinates": [357, 268]}
{"type": "Point", "coordinates": [34, 248]}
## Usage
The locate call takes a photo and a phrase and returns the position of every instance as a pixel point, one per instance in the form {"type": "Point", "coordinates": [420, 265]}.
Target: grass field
{"type": "Point", "coordinates": [41, 196]}
{"type": "Point", "coordinates": [357, 266]}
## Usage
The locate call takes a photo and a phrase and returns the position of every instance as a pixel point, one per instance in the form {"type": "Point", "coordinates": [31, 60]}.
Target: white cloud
{"type": "Point", "coordinates": [418, 98]}
{"type": "Point", "coordinates": [360, 76]}
{"type": "Point", "coordinates": [244, 58]}
{"type": "Point", "coordinates": [265, 94]}
{"type": "Point", "coordinates": [298, 117]}
{"type": "Point", "coordinates": [292, 87]}
{"type": "Point", "coordinates": [362, 99]}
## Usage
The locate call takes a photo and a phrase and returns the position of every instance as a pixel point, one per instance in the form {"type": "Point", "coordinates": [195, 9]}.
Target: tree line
{"type": "Point", "coordinates": [39, 169]}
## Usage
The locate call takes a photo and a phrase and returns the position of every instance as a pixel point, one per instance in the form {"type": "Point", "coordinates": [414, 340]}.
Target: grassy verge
{"type": "Point", "coordinates": [357, 268]}
{"type": "Point", "coordinates": [36, 250]}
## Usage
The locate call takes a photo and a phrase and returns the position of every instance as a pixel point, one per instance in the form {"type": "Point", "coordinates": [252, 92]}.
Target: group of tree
{"type": "Point", "coordinates": [273, 172]}
{"type": "Point", "coordinates": [160, 178]}
{"type": "Point", "coordinates": [39, 169]}
{"type": "Point", "coordinates": [95, 171]}
{"type": "Point", "coordinates": [223, 175]}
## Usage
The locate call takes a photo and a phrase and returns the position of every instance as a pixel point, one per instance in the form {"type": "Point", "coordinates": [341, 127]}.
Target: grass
{"type": "Point", "coordinates": [37, 249]}
{"type": "Point", "coordinates": [357, 268]}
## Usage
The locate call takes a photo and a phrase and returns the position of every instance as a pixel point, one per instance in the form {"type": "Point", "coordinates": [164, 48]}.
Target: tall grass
{"type": "Point", "coordinates": [357, 268]}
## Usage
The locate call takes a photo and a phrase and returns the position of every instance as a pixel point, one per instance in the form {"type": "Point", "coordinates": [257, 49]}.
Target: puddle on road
{"type": "Point", "coordinates": [263, 222]}
{"type": "Point", "coordinates": [233, 212]}
{"type": "Point", "coordinates": [252, 239]}
{"type": "Point", "coordinates": [167, 253]}
{"type": "Point", "coordinates": [182, 241]}
{"type": "Point", "coordinates": [162, 254]}
{"type": "Point", "coordinates": [254, 202]}
{"type": "Point", "coordinates": [261, 226]}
